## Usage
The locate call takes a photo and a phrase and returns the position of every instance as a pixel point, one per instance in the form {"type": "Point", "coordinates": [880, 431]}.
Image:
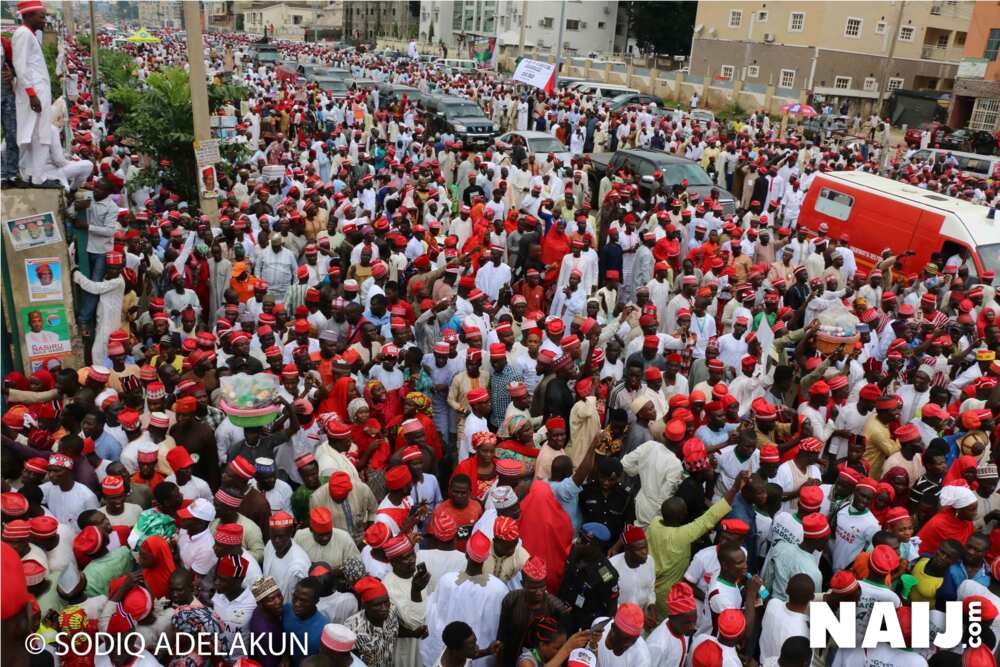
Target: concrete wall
{"type": "Point", "coordinates": [19, 203]}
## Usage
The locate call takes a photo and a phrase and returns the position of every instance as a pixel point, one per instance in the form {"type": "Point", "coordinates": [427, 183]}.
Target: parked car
{"type": "Point", "coordinates": [673, 170]}
{"type": "Point", "coordinates": [938, 132]}
{"type": "Point", "coordinates": [389, 93]}
{"type": "Point", "coordinates": [461, 117]}
{"type": "Point", "coordinates": [540, 144]}
{"type": "Point", "coordinates": [820, 127]}
{"type": "Point", "coordinates": [969, 141]}
{"type": "Point", "coordinates": [969, 164]}
{"type": "Point", "coordinates": [620, 101]}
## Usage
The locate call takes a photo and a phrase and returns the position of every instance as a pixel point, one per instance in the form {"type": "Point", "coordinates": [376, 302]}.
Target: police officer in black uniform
{"type": "Point", "coordinates": [590, 582]}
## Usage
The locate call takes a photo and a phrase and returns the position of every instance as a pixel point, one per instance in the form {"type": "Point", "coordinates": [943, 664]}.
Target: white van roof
{"type": "Point", "coordinates": [602, 86]}
{"type": "Point", "coordinates": [973, 217]}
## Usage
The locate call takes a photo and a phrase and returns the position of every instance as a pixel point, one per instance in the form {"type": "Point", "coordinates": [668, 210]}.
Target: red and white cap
{"type": "Point", "coordinates": [338, 638]}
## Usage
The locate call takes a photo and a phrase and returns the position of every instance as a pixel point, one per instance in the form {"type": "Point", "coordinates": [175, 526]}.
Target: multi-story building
{"type": "Point", "coordinates": [161, 14]}
{"type": "Point", "coordinates": [590, 26]}
{"type": "Point", "coordinates": [976, 101]}
{"type": "Point", "coordinates": [298, 21]}
{"type": "Point", "coordinates": [369, 19]}
{"type": "Point", "coordinates": [845, 50]}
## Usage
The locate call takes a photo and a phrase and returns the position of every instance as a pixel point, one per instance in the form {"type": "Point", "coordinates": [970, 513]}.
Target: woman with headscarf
{"type": "Point", "coordinates": [963, 470]}
{"type": "Point", "coordinates": [157, 563]}
{"type": "Point", "coordinates": [417, 405]}
{"type": "Point", "coordinates": [480, 467]}
{"type": "Point", "coordinates": [899, 479]}
{"type": "Point", "coordinates": [549, 534]}
{"type": "Point", "coordinates": [953, 521]}
{"type": "Point", "coordinates": [555, 246]}
{"type": "Point", "coordinates": [381, 406]}
{"type": "Point", "coordinates": [344, 390]}
{"type": "Point", "coordinates": [521, 443]}
{"type": "Point", "coordinates": [197, 622]}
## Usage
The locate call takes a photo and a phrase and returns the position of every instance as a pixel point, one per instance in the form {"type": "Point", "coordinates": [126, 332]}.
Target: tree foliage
{"type": "Point", "coordinates": [661, 27]}
{"type": "Point", "coordinates": [158, 122]}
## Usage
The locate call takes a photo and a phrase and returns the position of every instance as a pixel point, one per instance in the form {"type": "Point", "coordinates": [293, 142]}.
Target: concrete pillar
{"type": "Point", "coordinates": [678, 81]}
{"type": "Point", "coordinates": [607, 72]}
{"type": "Point", "coordinates": [628, 73]}
{"type": "Point", "coordinates": [654, 80]}
{"type": "Point", "coordinates": [769, 96]}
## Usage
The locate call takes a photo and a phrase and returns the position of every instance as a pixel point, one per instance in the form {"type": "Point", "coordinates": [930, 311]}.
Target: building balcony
{"type": "Point", "coordinates": [935, 52]}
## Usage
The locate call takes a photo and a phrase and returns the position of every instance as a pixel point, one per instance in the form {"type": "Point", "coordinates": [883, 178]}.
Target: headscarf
{"type": "Point", "coordinates": [198, 621]}
{"type": "Point", "coordinates": [555, 246]}
{"type": "Point", "coordinates": [158, 577]}
{"type": "Point", "coordinates": [422, 402]}
{"type": "Point", "coordinates": [549, 534]}
{"type": "Point", "coordinates": [958, 467]}
{"type": "Point", "coordinates": [353, 570]}
{"type": "Point", "coordinates": [354, 407]}
{"type": "Point", "coordinates": [897, 474]}
{"type": "Point", "coordinates": [341, 389]}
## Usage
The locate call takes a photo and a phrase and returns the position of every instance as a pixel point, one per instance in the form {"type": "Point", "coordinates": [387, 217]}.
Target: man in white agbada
{"type": "Point", "coordinates": [284, 560]}
{"type": "Point", "coordinates": [32, 91]}
{"type": "Point", "coordinates": [111, 291]}
{"type": "Point", "coordinates": [470, 596]}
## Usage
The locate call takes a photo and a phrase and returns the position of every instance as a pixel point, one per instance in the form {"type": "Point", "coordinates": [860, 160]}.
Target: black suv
{"type": "Point", "coordinates": [461, 117]}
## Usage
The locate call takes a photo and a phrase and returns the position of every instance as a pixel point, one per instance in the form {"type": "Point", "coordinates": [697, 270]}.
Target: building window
{"type": "Point", "coordinates": [753, 71]}
{"type": "Point", "coordinates": [852, 28]}
{"type": "Point", "coordinates": [787, 78]}
{"type": "Point", "coordinates": [880, 27]}
{"type": "Point", "coordinates": [761, 17]}
{"type": "Point", "coordinates": [959, 38]}
{"type": "Point", "coordinates": [985, 114]}
{"type": "Point", "coordinates": [546, 22]}
{"type": "Point", "coordinates": [600, 25]}
{"type": "Point", "coordinates": [572, 24]}
{"type": "Point", "coordinates": [796, 21]}
{"type": "Point", "coordinates": [906, 33]}
{"type": "Point", "coordinates": [992, 45]}
{"type": "Point", "coordinates": [842, 82]}
{"type": "Point", "coordinates": [942, 41]}
{"type": "Point", "coordinates": [871, 83]}
{"type": "Point", "coordinates": [735, 18]}
{"type": "Point", "coordinates": [726, 72]}
{"type": "Point", "coordinates": [297, 19]}
{"type": "Point", "coordinates": [894, 83]}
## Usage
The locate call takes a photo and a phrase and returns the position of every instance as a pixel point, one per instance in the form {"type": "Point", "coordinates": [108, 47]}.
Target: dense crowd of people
{"type": "Point", "coordinates": [522, 415]}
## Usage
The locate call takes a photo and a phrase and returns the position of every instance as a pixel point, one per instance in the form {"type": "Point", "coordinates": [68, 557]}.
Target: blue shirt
{"type": "Point", "coordinates": [310, 630]}
{"type": "Point", "coordinates": [568, 495]}
{"type": "Point", "coordinates": [954, 578]}
{"type": "Point", "coordinates": [107, 447]}
{"type": "Point", "coordinates": [748, 514]}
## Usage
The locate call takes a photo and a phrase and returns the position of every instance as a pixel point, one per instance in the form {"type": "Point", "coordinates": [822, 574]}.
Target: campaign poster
{"type": "Point", "coordinates": [46, 332]}
{"type": "Point", "coordinates": [44, 278]}
{"type": "Point", "coordinates": [33, 231]}
{"type": "Point", "coordinates": [206, 181]}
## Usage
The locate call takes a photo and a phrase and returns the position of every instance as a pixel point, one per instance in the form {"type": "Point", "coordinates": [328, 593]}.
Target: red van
{"type": "Point", "coordinates": [878, 213]}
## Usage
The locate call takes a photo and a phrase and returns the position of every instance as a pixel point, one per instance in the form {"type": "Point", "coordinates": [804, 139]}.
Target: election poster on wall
{"type": "Point", "coordinates": [33, 231]}
{"type": "Point", "coordinates": [44, 278]}
{"type": "Point", "coordinates": [46, 333]}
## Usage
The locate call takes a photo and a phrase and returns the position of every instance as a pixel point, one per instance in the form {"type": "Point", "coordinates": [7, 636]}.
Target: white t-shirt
{"type": "Point", "coordinates": [854, 532]}
{"type": "Point", "coordinates": [66, 506]}
{"type": "Point", "coordinates": [635, 585]}
{"type": "Point", "coordinates": [779, 624]}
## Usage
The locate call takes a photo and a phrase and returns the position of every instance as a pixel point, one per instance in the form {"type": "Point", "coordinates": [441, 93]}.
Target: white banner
{"type": "Point", "coordinates": [535, 73]}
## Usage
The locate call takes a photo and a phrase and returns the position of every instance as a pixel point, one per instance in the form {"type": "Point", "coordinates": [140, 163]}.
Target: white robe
{"type": "Point", "coordinates": [109, 311]}
{"type": "Point", "coordinates": [411, 614]}
{"type": "Point", "coordinates": [459, 598]}
{"type": "Point", "coordinates": [287, 570]}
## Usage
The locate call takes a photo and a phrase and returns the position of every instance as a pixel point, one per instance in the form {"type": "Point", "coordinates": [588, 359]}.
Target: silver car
{"type": "Point", "coordinates": [539, 144]}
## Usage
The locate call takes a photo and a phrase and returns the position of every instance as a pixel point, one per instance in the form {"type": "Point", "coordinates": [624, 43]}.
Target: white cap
{"type": "Point", "coordinates": [503, 497]}
{"type": "Point", "coordinates": [201, 509]}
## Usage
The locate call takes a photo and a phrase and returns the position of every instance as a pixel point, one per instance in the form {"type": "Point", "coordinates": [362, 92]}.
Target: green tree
{"type": "Point", "coordinates": [663, 27]}
{"type": "Point", "coordinates": [158, 122]}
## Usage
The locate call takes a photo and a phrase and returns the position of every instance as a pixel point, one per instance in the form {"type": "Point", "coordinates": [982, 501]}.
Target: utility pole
{"type": "Point", "coordinates": [524, 24]}
{"type": "Point", "coordinates": [94, 86]}
{"type": "Point", "coordinates": [68, 18]}
{"type": "Point", "coordinates": [562, 24]}
{"type": "Point", "coordinates": [893, 36]}
{"type": "Point", "coordinates": [199, 93]}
